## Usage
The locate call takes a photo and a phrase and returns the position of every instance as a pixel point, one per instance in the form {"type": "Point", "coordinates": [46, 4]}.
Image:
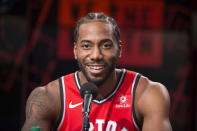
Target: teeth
{"type": "Point", "coordinates": [96, 67]}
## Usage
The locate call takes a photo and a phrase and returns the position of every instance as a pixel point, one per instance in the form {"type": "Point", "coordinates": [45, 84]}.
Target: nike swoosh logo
{"type": "Point", "coordinates": [74, 105]}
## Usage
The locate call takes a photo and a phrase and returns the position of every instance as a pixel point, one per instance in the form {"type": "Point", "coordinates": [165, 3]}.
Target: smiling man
{"type": "Point", "coordinates": [126, 100]}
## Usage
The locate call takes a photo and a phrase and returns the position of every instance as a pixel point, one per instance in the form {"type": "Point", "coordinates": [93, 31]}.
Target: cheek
{"type": "Point", "coordinates": [112, 57]}
{"type": "Point", "coordinates": [81, 56]}
{"type": "Point", "coordinates": [115, 54]}
{"type": "Point", "coordinates": [78, 54]}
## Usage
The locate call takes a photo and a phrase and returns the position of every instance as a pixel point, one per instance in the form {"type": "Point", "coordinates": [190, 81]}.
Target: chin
{"type": "Point", "coordinates": [97, 82]}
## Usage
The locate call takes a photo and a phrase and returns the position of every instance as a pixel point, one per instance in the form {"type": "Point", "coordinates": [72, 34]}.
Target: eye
{"type": "Point", "coordinates": [107, 45]}
{"type": "Point", "coordinates": [86, 46]}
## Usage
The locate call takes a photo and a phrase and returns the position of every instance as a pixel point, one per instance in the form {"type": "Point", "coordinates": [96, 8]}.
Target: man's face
{"type": "Point", "coordinates": [96, 51]}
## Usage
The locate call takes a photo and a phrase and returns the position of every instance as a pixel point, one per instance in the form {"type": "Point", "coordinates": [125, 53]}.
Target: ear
{"type": "Point", "coordinates": [120, 49]}
{"type": "Point", "coordinates": [75, 50]}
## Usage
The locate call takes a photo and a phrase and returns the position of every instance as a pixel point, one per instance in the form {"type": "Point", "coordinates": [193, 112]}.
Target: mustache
{"type": "Point", "coordinates": [95, 62]}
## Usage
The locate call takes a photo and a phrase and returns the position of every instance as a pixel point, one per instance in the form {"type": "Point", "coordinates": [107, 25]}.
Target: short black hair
{"type": "Point", "coordinates": [98, 17]}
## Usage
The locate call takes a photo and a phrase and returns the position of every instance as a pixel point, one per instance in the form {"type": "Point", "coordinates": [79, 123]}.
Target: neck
{"type": "Point", "coordinates": [106, 87]}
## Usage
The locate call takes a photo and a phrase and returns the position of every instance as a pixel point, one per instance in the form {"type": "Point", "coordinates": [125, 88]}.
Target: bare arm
{"type": "Point", "coordinates": [41, 109]}
{"type": "Point", "coordinates": [153, 106]}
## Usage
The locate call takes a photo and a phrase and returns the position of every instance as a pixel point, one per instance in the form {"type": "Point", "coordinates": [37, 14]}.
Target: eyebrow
{"type": "Point", "coordinates": [105, 40]}
{"type": "Point", "coordinates": [85, 41]}
{"type": "Point", "coordinates": [102, 41]}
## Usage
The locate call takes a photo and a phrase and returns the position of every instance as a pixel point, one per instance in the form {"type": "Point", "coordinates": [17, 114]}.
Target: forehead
{"type": "Point", "coordinates": [95, 29]}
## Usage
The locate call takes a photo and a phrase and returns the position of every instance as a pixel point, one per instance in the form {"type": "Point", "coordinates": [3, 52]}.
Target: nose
{"type": "Point", "coordinates": [96, 54]}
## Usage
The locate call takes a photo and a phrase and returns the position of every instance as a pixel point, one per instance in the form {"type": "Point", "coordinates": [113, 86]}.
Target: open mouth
{"type": "Point", "coordinates": [96, 69]}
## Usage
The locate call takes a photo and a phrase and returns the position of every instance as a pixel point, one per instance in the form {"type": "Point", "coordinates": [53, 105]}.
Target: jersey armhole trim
{"type": "Point", "coordinates": [134, 116]}
{"type": "Point", "coordinates": [60, 119]}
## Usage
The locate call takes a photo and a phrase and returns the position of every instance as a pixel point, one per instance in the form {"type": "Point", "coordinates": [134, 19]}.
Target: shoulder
{"type": "Point", "coordinates": [50, 90]}
{"type": "Point", "coordinates": [151, 96]}
{"type": "Point", "coordinates": [148, 87]}
{"type": "Point", "coordinates": [42, 106]}
{"type": "Point", "coordinates": [43, 98]}
{"type": "Point", "coordinates": [53, 85]}
{"type": "Point", "coordinates": [151, 88]}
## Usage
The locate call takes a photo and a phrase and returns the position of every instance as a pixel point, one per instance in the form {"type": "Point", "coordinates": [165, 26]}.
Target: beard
{"type": "Point", "coordinates": [110, 68]}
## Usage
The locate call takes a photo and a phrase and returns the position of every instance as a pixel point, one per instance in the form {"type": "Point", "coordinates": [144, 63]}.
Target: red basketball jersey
{"type": "Point", "coordinates": [114, 113]}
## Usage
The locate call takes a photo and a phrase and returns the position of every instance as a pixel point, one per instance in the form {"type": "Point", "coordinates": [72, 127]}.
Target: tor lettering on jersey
{"type": "Point", "coordinates": [111, 125]}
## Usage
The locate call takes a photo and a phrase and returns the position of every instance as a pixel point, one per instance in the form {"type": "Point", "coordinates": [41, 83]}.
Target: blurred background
{"type": "Point", "coordinates": [36, 46]}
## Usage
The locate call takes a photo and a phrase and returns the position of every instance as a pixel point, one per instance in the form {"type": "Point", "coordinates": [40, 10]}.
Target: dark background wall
{"type": "Point", "coordinates": [159, 41]}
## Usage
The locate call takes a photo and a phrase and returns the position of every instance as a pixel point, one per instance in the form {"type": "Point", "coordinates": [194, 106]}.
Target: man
{"type": "Point", "coordinates": [126, 101]}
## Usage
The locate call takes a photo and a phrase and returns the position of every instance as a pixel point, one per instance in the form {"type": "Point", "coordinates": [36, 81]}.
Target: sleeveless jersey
{"type": "Point", "coordinates": [114, 113]}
